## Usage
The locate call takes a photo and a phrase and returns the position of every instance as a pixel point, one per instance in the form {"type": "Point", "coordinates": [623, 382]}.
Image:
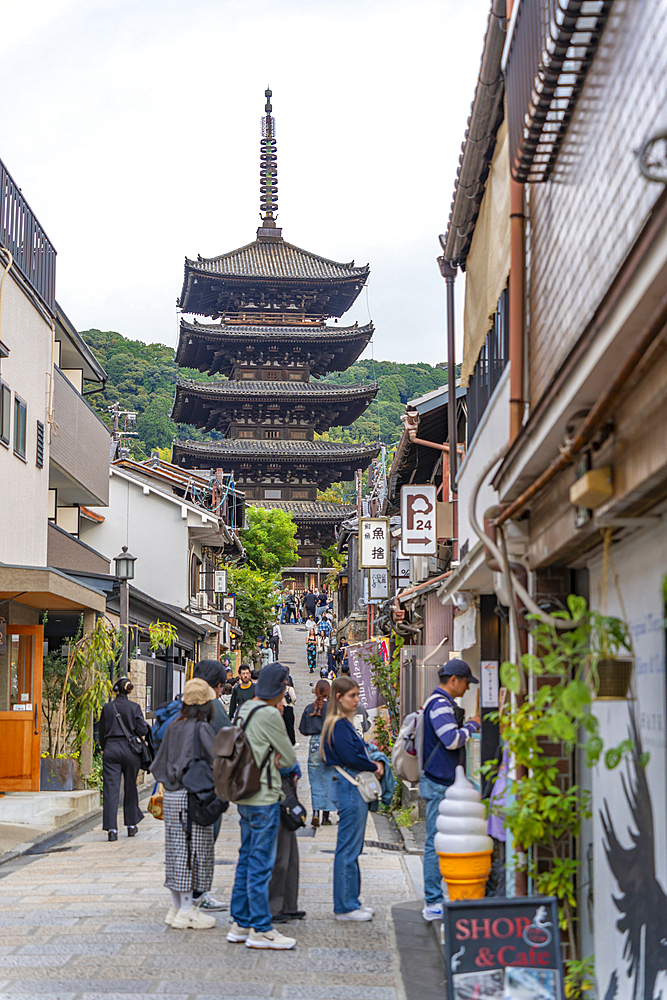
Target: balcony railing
{"type": "Point", "coordinates": [490, 365]}
{"type": "Point", "coordinates": [21, 233]}
{"type": "Point", "coordinates": [551, 48]}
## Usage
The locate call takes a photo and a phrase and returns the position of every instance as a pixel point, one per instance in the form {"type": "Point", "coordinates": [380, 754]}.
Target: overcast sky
{"type": "Point", "coordinates": [133, 129]}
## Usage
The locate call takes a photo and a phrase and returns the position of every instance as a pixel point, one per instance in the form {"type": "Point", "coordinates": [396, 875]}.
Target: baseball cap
{"type": "Point", "coordinates": [458, 668]}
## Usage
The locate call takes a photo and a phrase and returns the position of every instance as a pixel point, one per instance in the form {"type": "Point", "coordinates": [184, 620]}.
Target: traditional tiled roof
{"type": "Point", "coordinates": [284, 450]}
{"type": "Point", "coordinates": [308, 510]}
{"type": "Point", "coordinates": [284, 390]}
{"type": "Point", "coordinates": [247, 331]}
{"type": "Point", "coordinates": [275, 259]}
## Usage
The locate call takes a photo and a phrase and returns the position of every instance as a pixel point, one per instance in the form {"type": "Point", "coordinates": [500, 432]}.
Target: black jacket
{"type": "Point", "coordinates": [131, 714]}
{"type": "Point", "coordinates": [311, 725]}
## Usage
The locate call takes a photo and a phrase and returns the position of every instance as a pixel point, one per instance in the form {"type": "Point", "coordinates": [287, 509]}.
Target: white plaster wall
{"type": "Point", "coordinates": [23, 487]}
{"type": "Point", "coordinates": [491, 434]}
{"type": "Point", "coordinates": [641, 562]}
{"type": "Point", "coordinates": [153, 530]}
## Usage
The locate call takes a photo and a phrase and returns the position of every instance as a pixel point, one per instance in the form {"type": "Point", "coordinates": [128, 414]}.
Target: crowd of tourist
{"type": "Point", "coordinates": [341, 763]}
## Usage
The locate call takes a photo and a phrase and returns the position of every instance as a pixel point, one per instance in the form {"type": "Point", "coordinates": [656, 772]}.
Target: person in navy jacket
{"type": "Point", "coordinates": [445, 736]}
{"type": "Point", "coordinates": [341, 745]}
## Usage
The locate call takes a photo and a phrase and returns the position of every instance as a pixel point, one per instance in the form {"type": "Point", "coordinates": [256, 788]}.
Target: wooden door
{"type": "Point", "coordinates": [20, 725]}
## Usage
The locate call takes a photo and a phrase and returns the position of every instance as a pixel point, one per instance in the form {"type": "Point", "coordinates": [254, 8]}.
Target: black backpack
{"type": "Point", "coordinates": [204, 806]}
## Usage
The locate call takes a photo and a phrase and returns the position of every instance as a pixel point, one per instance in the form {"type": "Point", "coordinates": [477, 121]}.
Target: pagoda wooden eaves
{"type": "Point", "coordinates": [268, 276]}
{"type": "Point", "coordinates": [219, 348]}
{"type": "Point", "coordinates": [215, 405]}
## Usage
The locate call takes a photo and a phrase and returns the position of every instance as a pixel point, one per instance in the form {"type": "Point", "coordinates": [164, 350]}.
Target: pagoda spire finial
{"type": "Point", "coordinates": [268, 171]}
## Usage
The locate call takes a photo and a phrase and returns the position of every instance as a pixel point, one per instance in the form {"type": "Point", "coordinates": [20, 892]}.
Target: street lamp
{"type": "Point", "coordinates": [124, 571]}
{"type": "Point", "coordinates": [319, 564]}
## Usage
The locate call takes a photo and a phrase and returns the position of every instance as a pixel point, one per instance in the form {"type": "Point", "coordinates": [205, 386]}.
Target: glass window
{"type": "Point", "coordinates": [5, 411]}
{"type": "Point", "coordinates": [21, 656]}
{"type": "Point", "coordinates": [20, 415]}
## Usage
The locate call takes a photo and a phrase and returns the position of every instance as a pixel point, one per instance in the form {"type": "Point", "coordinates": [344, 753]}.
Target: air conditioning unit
{"type": "Point", "coordinates": [201, 600]}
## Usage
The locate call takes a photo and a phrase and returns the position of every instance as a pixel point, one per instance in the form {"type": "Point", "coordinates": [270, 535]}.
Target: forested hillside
{"type": "Point", "coordinates": [142, 378]}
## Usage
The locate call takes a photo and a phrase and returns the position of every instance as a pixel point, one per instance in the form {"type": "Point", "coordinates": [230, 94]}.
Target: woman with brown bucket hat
{"type": "Point", "coordinates": [188, 866]}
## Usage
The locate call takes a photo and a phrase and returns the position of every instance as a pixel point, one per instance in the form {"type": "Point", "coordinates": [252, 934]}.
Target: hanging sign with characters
{"type": "Point", "coordinates": [374, 542]}
{"type": "Point", "coordinates": [503, 949]}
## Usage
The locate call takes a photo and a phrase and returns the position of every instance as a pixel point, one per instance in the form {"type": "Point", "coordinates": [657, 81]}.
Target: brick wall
{"type": "Point", "coordinates": [585, 220]}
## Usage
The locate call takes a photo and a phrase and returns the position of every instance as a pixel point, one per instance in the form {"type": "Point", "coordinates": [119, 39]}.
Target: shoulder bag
{"type": "Point", "coordinates": [367, 782]}
{"type": "Point", "coordinates": [138, 744]}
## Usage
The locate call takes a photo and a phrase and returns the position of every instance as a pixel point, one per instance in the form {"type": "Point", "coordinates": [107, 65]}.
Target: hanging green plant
{"type": "Point", "coordinates": [162, 634]}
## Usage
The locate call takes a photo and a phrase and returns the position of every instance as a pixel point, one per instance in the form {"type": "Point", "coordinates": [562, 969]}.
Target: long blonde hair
{"type": "Point", "coordinates": [335, 711]}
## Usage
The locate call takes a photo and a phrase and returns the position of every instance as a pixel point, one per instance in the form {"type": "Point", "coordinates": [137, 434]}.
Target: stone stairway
{"type": "Point", "coordinates": [47, 810]}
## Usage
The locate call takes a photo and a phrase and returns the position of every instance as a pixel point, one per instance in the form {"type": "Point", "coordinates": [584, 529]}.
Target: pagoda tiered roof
{"type": "Point", "coordinates": [218, 347]}
{"type": "Point", "coordinates": [214, 405]}
{"type": "Point", "coordinates": [309, 511]}
{"type": "Point", "coordinates": [325, 461]}
{"type": "Point", "coordinates": [270, 275]}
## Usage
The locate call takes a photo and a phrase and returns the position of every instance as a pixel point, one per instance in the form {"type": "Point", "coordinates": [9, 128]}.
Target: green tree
{"type": "Point", "coordinates": [269, 540]}
{"type": "Point", "coordinates": [255, 603]}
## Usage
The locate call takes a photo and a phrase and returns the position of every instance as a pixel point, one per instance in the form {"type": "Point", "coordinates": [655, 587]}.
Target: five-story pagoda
{"type": "Point", "coordinates": [269, 302]}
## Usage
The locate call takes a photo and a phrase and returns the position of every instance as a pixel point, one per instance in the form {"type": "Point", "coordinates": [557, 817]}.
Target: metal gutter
{"type": "Point", "coordinates": [486, 114]}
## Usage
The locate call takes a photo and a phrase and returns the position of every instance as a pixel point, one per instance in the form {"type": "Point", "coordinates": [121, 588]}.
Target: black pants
{"type": "Point", "coordinates": [290, 614]}
{"type": "Point", "coordinates": [284, 884]}
{"type": "Point", "coordinates": [288, 719]}
{"type": "Point", "coordinates": [274, 643]}
{"type": "Point", "coordinates": [117, 759]}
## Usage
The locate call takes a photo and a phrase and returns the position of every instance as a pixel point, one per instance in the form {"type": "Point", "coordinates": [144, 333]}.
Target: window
{"type": "Point", "coordinates": [39, 459]}
{"type": "Point", "coordinates": [20, 415]}
{"type": "Point", "coordinates": [273, 434]}
{"type": "Point", "coordinates": [5, 412]}
{"type": "Point", "coordinates": [272, 494]}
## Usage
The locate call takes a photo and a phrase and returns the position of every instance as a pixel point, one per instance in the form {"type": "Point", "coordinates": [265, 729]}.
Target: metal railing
{"type": "Point", "coordinates": [20, 232]}
{"type": "Point", "coordinates": [552, 46]}
{"type": "Point", "coordinates": [490, 365]}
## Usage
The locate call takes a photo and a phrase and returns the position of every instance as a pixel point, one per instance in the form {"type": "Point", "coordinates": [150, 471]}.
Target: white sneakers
{"type": "Point", "coordinates": [269, 939]}
{"type": "Point", "coordinates": [237, 934]}
{"type": "Point", "coordinates": [363, 913]}
{"type": "Point", "coordinates": [259, 939]}
{"type": "Point", "coordinates": [192, 920]}
{"type": "Point", "coordinates": [171, 913]}
{"type": "Point", "coordinates": [432, 911]}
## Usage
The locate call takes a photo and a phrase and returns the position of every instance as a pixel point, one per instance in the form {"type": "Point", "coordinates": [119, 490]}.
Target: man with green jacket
{"type": "Point", "coordinates": [260, 815]}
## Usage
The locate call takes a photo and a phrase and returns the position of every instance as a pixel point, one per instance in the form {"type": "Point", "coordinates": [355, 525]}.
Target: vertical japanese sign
{"type": "Point", "coordinates": [374, 542]}
{"type": "Point", "coordinates": [418, 524]}
{"type": "Point", "coordinates": [488, 683]}
{"type": "Point", "coordinates": [378, 584]}
{"type": "Point", "coordinates": [220, 581]}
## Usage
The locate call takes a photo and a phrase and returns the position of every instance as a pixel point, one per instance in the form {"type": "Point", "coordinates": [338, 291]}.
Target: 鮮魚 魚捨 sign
{"type": "Point", "coordinates": [503, 949]}
{"type": "Point", "coordinates": [374, 542]}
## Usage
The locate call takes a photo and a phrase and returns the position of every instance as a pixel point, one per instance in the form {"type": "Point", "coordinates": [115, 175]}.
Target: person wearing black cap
{"type": "Point", "coordinates": [260, 814]}
{"type": "Point", "coordinates": [445, 736]}
{"type": "Point", "coordinates": [119, 758]}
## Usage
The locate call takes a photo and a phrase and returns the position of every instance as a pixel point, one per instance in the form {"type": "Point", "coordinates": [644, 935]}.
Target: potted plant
{"type": "Point", "coordinates": [75, 689]}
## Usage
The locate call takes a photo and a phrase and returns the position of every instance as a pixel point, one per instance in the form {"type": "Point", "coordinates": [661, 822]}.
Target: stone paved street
{"type": "Point", "coordinates": [86, 921]}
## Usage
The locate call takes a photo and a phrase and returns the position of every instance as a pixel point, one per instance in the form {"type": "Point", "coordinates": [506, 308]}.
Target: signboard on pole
{"type": "Point", "coordinates": [374, 542]}
{"type": "Point", "coordinates": [220, 581]}
{"type": "Point", "coordinates": [418, 520]}
{"type": "Point", "coordinates": [229, 606]}
{"type": "Point", "coordinates": [488, 683]}
{"type": "Point", "coordinates": [378, 583]}
{"type": "Point", "coordinates": [500, 948]}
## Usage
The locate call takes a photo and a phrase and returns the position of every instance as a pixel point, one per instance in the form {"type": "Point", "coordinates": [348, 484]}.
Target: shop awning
{"type": "Point", "coordinates": [48, 589]}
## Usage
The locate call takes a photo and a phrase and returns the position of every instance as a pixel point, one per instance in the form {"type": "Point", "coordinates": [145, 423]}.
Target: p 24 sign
{"type": "Point", "coordinates": [418, 520]}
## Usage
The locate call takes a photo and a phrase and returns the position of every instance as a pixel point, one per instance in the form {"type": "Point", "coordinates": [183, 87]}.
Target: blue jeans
{"type": "Point", "coordinates": [433, 794]}
{"type": "Point", "coordinates": [352, 815]}
{"type": "Point", "coordinates": [257, 855]}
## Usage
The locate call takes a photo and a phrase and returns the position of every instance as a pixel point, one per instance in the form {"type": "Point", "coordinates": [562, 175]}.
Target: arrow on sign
{"type": "Point", "coordinates": [418, 541]}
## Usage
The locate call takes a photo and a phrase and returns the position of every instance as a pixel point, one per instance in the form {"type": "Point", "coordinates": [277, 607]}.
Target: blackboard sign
{"type": "Point", "coordinates": [503, 949]}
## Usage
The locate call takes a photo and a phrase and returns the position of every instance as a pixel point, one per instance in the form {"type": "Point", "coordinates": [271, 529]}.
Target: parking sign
{"type": "Point", "coordinates": [418, 524]}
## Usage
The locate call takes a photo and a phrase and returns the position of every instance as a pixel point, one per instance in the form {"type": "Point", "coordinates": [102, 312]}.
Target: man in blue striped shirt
{"type": "Point", "coordinates": [445, 736]}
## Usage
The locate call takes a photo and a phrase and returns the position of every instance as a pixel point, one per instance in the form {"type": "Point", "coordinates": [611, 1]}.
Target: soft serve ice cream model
{"type": "Point", "coordinates": [461, 842]}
